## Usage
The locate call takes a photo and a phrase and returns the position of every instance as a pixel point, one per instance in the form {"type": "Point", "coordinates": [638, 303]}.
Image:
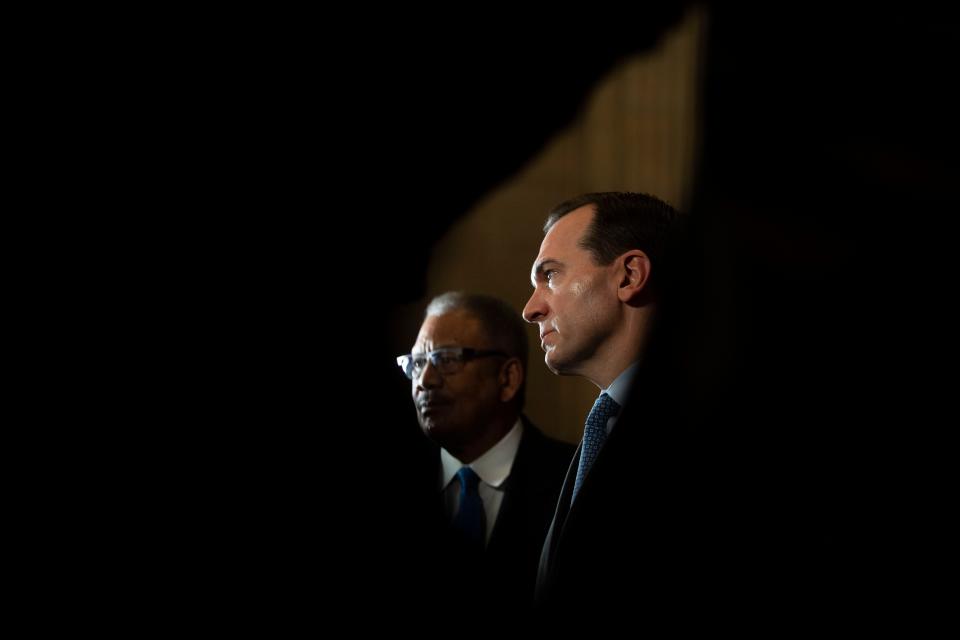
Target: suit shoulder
{"type": "Point", "coordinates": [543, 446]}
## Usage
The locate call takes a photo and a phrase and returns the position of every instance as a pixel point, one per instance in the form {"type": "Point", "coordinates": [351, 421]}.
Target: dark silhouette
{"type": "Point", "coordinates": [792, 409]}
{"type": "Point", "coordinates": [596, 293]}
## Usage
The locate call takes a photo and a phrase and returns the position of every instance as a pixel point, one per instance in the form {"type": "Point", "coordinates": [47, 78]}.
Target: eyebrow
{"type": "Point", "coordinates": [537, 272]}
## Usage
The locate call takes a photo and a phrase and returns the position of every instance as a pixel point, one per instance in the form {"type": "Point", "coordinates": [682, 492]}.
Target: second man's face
{"type": "Point", "coordinates": [574, 300]}
{"type": "Point", "coordinates": [455, 408]}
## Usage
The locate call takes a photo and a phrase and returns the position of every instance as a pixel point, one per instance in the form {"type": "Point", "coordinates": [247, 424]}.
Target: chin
{"type": "Point", "coordinates": [434, 429]}
{"type": "Point", "coordinates": [427, 426]}
{"type": "Point", "coordinates": [559, 366]}
{"type": "Point", "coordinates": [552, 363]}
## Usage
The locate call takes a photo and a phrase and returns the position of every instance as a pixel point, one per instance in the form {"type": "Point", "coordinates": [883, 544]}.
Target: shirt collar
{"type": "Point", "coordinates": [619, 389]}
{"type": "Point", "coordinates": [493, 466]}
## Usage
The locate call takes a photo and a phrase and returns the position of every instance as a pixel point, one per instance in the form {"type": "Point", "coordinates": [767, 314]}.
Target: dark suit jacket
{"type": "Point", "coordinates": [504, 575]}
{"type": "Point", "coordinates": [630, 541]}
{"type": "Point", "coordinates": [689, 522]}
{"type": "Point", "coordinates": [584, 543]}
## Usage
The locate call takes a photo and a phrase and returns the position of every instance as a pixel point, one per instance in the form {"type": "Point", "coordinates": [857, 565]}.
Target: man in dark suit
{"type": "Point", "coordinates": [594, 302]}
{"type": "Point", "coordinates": [494, 476]}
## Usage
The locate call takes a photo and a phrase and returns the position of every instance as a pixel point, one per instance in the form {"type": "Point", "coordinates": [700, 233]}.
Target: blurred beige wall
{"type": "Point", "coordinates": [637, 132]}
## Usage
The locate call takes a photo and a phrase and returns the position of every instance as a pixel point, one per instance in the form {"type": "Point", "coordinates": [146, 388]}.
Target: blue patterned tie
{"type": "Point", "coordinates": [594, 434]}
{"type": "Point", "coordinates": [469, 518]}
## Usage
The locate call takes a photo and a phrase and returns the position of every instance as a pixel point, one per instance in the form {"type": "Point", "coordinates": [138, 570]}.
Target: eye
{"type": "Point", "coordinates": [446, 359]}
{"type": "Point", "coordinates": [419, 362]}
{"type": "Point", "coordinates": [549, 274]}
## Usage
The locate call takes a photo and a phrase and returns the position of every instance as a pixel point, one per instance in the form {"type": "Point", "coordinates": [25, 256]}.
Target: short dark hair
{"type": "Point", "coordinates": [622, 221]}
{"type": "Point", "coordinates": [503, 325]}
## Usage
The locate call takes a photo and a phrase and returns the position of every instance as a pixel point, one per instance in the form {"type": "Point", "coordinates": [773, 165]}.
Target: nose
{"type": "Point", "coordinates": [536, 308]}
{"type": "Point", "coordinates": [429, 377]}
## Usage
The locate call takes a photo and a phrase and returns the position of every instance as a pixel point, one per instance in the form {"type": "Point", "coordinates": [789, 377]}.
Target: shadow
{"type": "Point", "coordinates": [794, 353]}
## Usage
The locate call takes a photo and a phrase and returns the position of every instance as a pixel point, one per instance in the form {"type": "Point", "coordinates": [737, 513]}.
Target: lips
{"type": "Point", "coordinates": [431, 404]}
{"type": "Point", "coordinates": [544, 335]}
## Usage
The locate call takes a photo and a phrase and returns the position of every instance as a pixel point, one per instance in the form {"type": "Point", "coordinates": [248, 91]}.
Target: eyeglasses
{"type": "Point", "coordinates": [446, 361]}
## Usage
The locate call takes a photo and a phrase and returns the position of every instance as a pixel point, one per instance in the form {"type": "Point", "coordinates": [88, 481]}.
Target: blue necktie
{"type": "Point", "coordinates": [594, 435]}
{"type": "Point", "coordinates": [469, 518]}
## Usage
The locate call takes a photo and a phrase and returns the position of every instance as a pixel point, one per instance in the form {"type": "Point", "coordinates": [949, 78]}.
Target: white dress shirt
{"type": "Point", "coordinates": [493, 468]}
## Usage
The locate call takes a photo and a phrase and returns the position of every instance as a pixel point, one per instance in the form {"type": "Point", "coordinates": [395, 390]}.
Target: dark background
{"type": "Point", "coordinates": [286, 175]}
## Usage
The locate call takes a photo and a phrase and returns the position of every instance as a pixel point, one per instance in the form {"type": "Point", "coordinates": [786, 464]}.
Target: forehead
{"type": "Point", "coordinates": [563, 236]}
{"type": "Point", "coordinates": [456, 328]}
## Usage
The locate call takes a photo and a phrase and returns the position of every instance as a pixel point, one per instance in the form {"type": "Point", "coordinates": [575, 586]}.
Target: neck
{"type": "Point", "coordinates": [623, 348]}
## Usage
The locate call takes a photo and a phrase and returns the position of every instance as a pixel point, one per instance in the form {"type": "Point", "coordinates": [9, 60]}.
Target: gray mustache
{"type": "Point", "coordinates": [425, 400]}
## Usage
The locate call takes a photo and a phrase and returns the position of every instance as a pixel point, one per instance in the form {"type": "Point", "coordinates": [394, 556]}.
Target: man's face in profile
{"type": "Point", "coordinates": [456, 407]}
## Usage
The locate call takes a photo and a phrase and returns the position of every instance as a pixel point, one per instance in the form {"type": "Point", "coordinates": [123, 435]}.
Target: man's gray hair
{"type": "Point", "coordinates": [503, 325]}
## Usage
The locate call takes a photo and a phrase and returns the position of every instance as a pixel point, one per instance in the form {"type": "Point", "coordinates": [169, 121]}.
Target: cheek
{"type": "Point", "coordinates": [580, 302]}
{"type": "Point", "coordinates": [475, 390]}
{"type": "Point", "coordinates": [566, 303]}
{"type": "Point", "coordinates": [587, 305]}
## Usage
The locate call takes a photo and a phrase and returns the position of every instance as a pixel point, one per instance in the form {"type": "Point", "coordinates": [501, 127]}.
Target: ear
{"type": "Point", "coordinates": [511, 378]}
{"type": "Point", "coordinates": [633, 271]}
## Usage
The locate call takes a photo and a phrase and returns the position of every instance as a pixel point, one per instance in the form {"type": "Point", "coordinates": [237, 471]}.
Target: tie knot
{"type": "Point", "coordinates": [603, 409]}
{"type": "Point", "coordinates": [468, 478]}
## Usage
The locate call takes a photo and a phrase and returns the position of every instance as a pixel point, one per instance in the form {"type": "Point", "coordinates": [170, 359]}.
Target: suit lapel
{"type": "Point", "coordinates": [505, 518]}
{"type": "Point", "coordinates": [520, 489]}
{"type": "Point", "coordinates": [565, 510]}
{"type": "Point", "coordinates": [559, 520]}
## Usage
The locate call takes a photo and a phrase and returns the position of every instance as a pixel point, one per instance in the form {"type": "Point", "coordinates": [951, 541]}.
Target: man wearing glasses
{"type": "Point", "coordinates": [497, 475]}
